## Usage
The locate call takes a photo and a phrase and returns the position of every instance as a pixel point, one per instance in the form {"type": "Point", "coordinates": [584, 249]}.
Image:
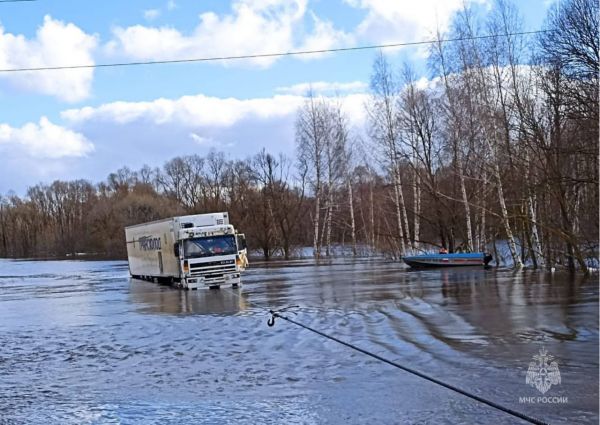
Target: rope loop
{"type": "Point", "coordinates": [271, 321]}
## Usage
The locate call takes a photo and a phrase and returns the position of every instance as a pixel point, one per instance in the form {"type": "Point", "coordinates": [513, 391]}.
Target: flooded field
{"type": "Point", "coordinates": [82, 343]}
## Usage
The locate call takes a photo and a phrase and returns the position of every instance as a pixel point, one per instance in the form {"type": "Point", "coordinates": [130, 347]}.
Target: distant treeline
{"type": "Point", "coordinates": [490, 149]}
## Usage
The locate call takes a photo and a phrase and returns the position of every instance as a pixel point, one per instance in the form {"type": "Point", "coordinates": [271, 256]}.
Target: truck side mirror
{"type": "Point", "coordinates": [176, 249]}
{"type": "Point", "coordinates": [241, 242]}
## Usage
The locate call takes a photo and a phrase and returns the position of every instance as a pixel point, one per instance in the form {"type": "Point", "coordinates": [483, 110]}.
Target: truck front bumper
{"type": "Point", "coordinates": [232, 279]}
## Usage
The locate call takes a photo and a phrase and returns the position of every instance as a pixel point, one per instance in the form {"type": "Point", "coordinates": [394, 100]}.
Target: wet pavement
{"type": "Point", "coordinates": [82, 343]}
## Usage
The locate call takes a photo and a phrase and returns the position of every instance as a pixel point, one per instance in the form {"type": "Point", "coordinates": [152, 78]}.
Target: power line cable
{"type": "Point", "coordinates": [16, 1]}
{"type": "Point", "coordinates": [266, 55]}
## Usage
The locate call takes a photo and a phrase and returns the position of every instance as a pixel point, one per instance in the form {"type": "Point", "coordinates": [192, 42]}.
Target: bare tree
{"type": "Point", "coordinates": [343, 163]}
{"type": "Point", "coordinates": [385, 132]}
{"type": "Point", "coordinates": [313, 133]}
{"type": "Point", "coordinates": [490, 103]}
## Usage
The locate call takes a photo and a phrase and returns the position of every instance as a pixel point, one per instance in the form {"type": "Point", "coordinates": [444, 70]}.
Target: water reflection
{"type": "Point", "coordinates": [154, 298]}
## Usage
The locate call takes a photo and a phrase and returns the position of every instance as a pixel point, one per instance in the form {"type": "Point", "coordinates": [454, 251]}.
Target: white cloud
{"type": "Point", "coordinates": [201, 140]}
{"type": "Point", "coordinates": [200, 110]}
{"type": "Point", "coordinates": [192, 111]}
{"type": "Point", "coordinates": [207, 118]}
{"type": "Point", "coordinates": [171, 5]}
{"type": "Point", "coordinates": [209, 141]}
{"type": "Point", "coordinates": [324, 87]}
{"type": "Point", "coordinates": [56, 43]}
{"type": "Point", "coordinates": [165, 128]}
{"type": "Point", "coordinates": [45, 140]}
{"type": "Point", "coordinates": [151, 14]}
{"type": "Point", "coordinates": [425, 83]}
{"type": "Point", "coordinates": [396, 21]}
{"type": "Point", "coordinates": [252, 27]}
{"type": "Point", "coordinates": [324, 36]}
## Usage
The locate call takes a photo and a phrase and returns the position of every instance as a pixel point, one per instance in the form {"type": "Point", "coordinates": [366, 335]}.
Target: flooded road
{"type": "Point", "coordinates": [82, 343]}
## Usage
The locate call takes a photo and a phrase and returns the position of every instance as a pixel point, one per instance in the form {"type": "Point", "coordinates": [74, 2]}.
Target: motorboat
{"type": "Point", "coordinates": [448, 260]}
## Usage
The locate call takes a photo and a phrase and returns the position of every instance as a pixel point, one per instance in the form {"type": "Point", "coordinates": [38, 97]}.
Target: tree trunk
{"type": "Point", "coordinates": [372, 216]}
{"type": "Point", "coordinates": [329, 216]}
{"type": "Point", "coordinates": [403, 208]}
{"type": "Point", "coordinates": [482, 235]}
{"type": "Point", "coordinates": [397, 200]}
{"type": "Point", "coordinates": [504, 213]}
{"type": "Point", "coordinates": [495, 248]}
{"type": "Point", "coordinates": [465, 200]}
{"type": "Point", "coordinates": [535, 237]}
{"type": "Point", "coordinates": [352, 222]}
{"type": "Point", "coordinates": [417, 202]}
{"type": "Point", "coordinates": [316, 246]}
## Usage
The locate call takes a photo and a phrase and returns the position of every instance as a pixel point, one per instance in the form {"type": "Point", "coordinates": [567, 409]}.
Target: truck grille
{"type": "Point", "coordinates": [212, 269]}
{"type": "Point", "coordinates": [212, 274]}
{"type": "Point", "coordinates": [212, 264]}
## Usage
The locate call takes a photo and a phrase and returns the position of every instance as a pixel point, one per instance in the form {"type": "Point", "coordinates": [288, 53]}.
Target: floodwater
{"type": "Point", "coordinates": [82, 343]}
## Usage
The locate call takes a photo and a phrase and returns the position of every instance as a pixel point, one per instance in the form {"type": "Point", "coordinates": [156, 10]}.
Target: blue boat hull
{"type": "Point", "coordinates": [448, 260]}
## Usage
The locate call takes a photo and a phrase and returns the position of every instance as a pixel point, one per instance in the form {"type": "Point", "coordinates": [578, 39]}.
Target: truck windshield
{"type": "Point", "coordinates": [207, 247]}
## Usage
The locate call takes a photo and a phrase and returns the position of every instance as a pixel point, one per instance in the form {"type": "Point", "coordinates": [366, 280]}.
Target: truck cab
{"type": "Point", "coordinates": [211, 256]}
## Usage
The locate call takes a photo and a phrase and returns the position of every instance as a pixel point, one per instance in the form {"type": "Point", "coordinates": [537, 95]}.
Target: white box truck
{"type": "Point", "coordinates": [191, 251]}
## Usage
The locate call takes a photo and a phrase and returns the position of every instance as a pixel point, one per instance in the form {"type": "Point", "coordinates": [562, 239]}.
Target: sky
{"type": "Point", "coordinates": [86, 123]}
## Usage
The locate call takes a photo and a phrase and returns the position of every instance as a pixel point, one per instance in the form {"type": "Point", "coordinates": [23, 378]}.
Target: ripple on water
{"type": "Point", "coordinates": [81, 343]}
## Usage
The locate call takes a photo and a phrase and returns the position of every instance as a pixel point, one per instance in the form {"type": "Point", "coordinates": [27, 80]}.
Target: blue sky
{"type": "Point", "coordinates": [87, 123]}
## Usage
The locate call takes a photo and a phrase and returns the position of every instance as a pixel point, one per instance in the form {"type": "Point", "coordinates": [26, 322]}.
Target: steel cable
{"type": "Point", "coordinates": [530, 419]}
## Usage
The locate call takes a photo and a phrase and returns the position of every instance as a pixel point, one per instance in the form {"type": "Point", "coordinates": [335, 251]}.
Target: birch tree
{"type": "Point", "coordinates": [382, 112]}
{"type": "Point", "coordinates": [313, 131]}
